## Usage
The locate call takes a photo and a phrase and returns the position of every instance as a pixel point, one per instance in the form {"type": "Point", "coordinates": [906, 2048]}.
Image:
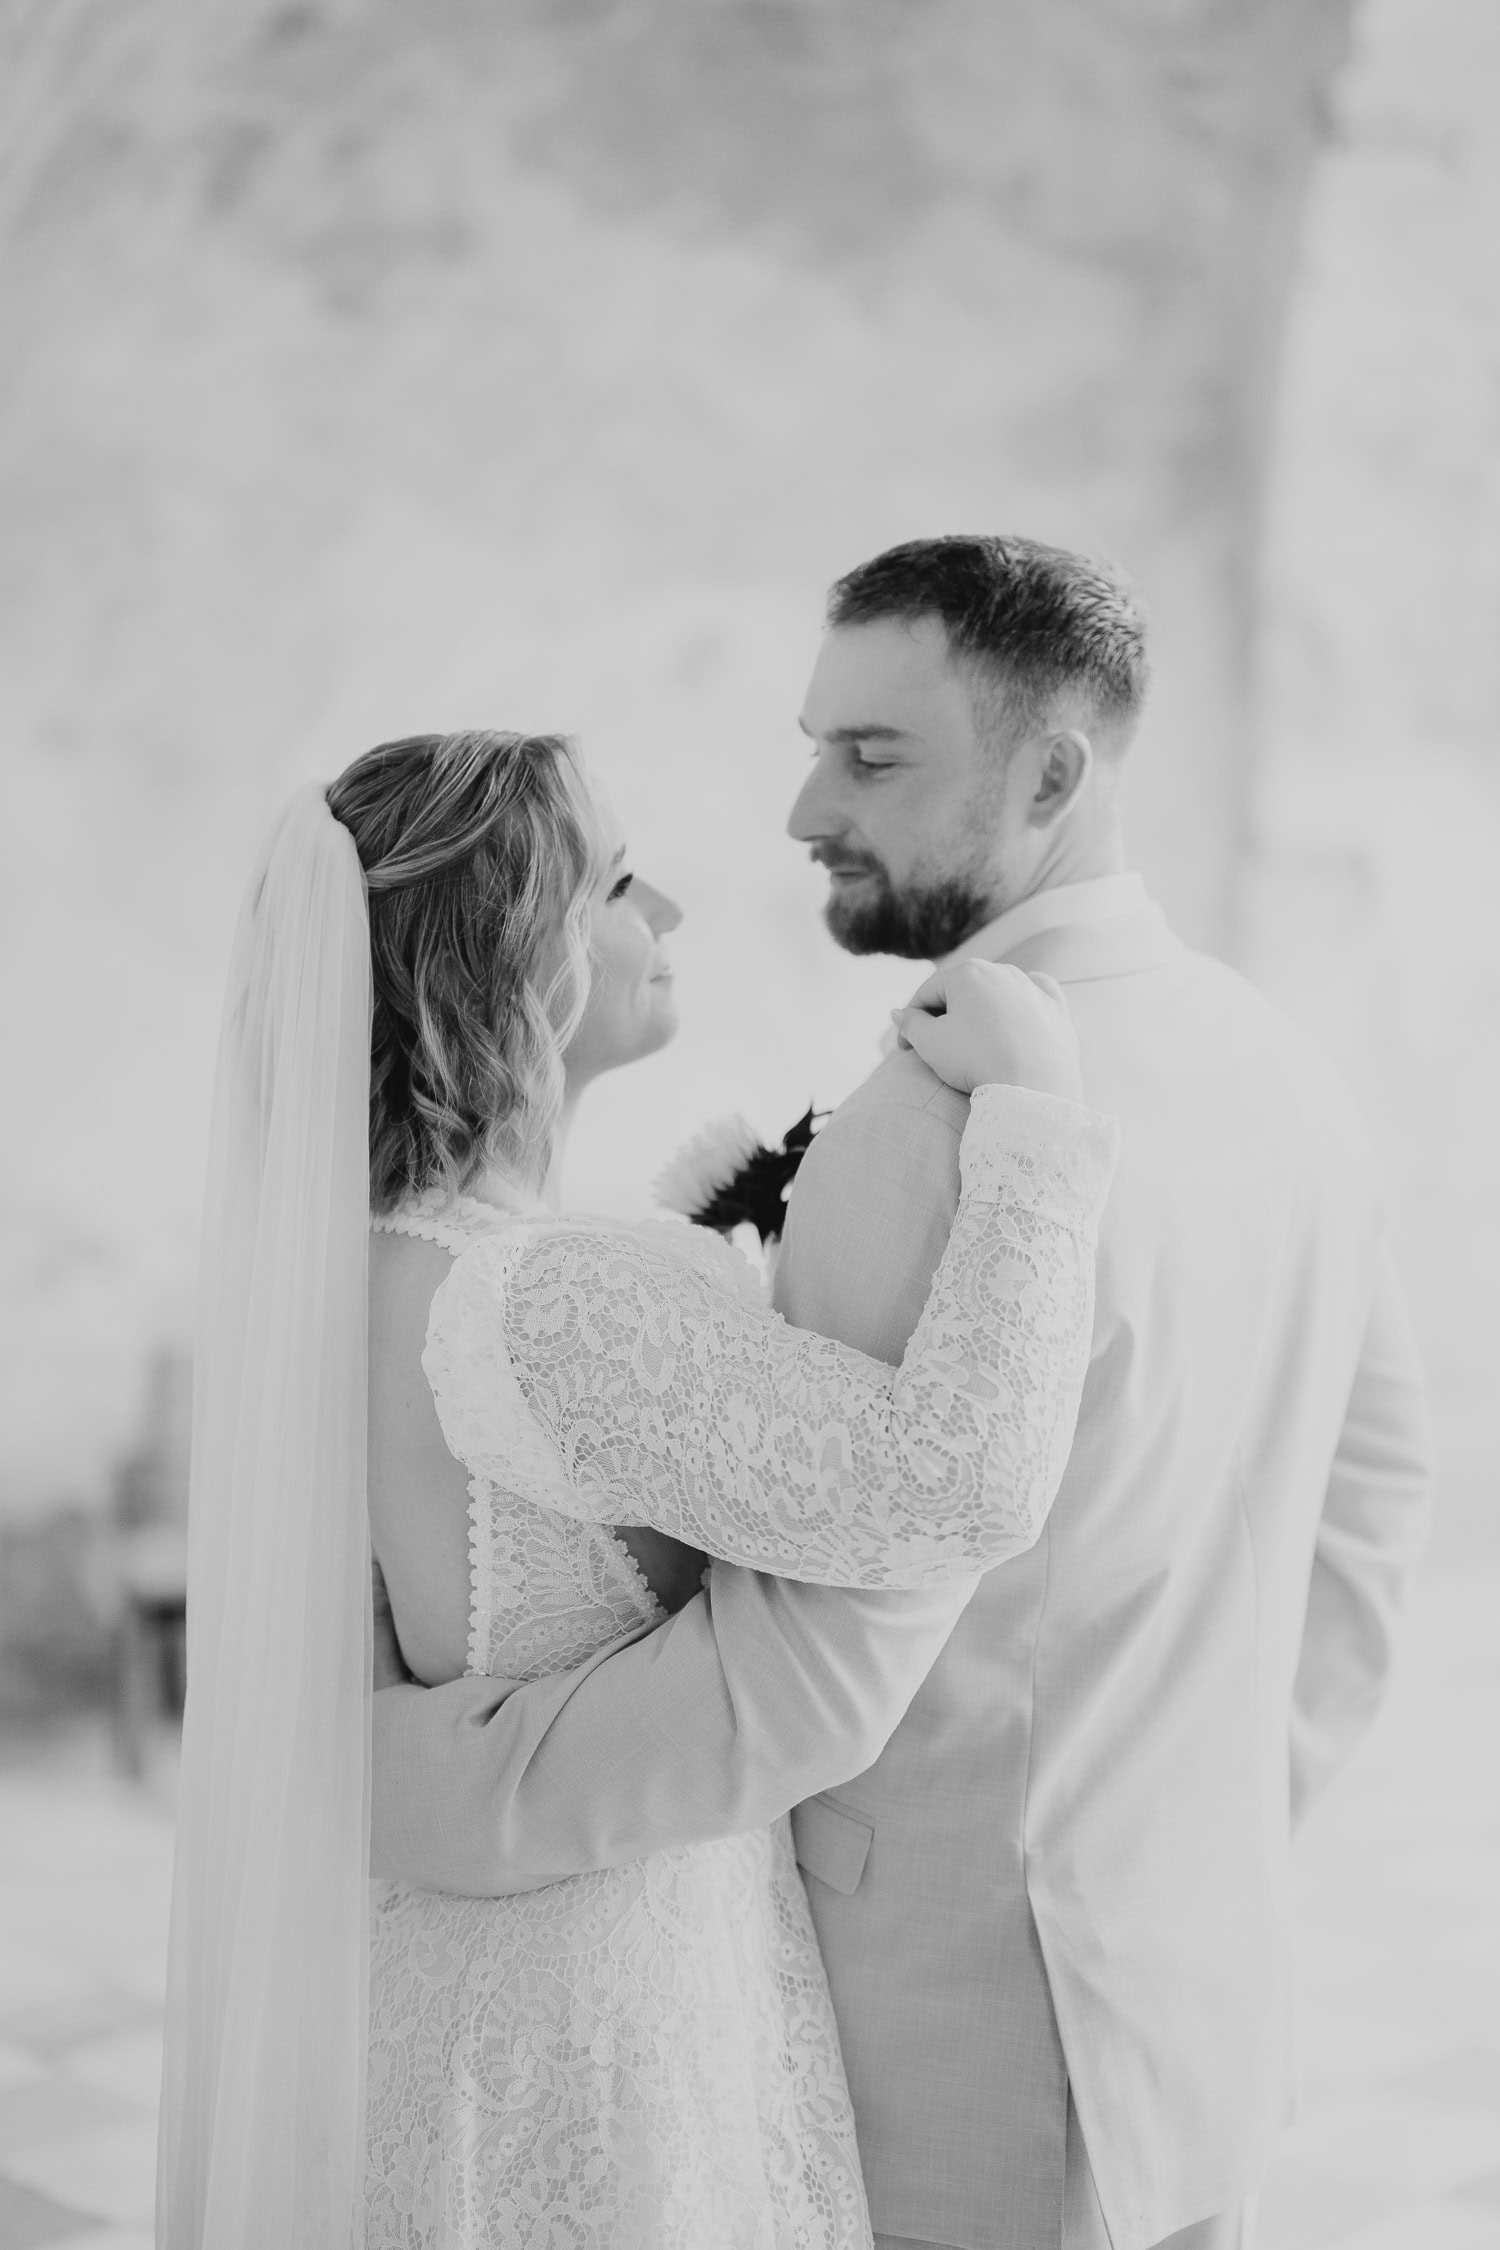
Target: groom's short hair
{"type": "Point", "coordinates": [1037, 623]}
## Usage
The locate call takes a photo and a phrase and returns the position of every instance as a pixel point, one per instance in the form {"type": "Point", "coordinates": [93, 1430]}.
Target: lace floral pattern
{"type": "Point", "coordinates": [669, 1396]}
{"type": "Point", "coordinates": [645, 2058]}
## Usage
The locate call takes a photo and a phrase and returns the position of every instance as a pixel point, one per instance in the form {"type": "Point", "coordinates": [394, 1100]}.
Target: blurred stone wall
{"type": "Point", "coordinates": [1372, 900]}
{"type": "Point", "coordinates": [366, 367]}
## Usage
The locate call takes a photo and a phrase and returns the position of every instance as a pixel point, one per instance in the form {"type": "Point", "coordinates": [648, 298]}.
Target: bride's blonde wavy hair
{"type": "Point", "coordinates": [480, 851]}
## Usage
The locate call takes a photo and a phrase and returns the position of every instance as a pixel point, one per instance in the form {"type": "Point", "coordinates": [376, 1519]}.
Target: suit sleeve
{"type": "Point", "coordinates": [757, 1694]}
{"type": "Point", "coordinates": [869, 1219]}
{"type": "Point", "coordinates": [1374, 1524]}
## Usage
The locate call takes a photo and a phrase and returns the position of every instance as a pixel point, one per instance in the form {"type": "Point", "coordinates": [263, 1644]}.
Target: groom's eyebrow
{"type": "Point", "coordinates": [871, 733]}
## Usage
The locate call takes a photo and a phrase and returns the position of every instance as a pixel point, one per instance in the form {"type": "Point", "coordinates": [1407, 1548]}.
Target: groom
{"type": "Point", "coordinates": [1045, 1834]}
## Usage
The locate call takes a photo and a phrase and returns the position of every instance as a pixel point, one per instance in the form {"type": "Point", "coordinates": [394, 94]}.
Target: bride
{"type": "Point", "coordinates": [544, 1423]}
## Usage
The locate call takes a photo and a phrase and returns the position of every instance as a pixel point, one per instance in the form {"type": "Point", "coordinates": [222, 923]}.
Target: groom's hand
{"type": "Point", "coordinates": [988, 1023]}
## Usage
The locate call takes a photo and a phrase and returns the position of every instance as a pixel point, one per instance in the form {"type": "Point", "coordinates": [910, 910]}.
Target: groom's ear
{"type": "Point", "coordinates": [1063, 762]}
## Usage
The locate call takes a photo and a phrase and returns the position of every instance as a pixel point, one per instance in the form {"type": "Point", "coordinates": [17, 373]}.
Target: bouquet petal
{"type": "Point", "coordinates": [725, 1178]}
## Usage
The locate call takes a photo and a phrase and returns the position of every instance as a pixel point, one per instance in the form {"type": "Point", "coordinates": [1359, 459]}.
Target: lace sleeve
{"type": "Point", "coordinates": [669, 1398]}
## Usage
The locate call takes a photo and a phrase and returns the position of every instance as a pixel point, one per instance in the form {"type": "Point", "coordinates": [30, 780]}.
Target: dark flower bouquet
{"type": "Point", "coordinates": [725, 1178]}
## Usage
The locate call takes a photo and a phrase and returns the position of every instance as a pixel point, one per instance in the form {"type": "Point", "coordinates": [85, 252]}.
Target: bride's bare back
{"type": "Point", "coordinates": [419, 1493]}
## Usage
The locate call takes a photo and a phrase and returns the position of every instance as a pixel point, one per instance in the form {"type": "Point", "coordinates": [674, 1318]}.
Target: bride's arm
{"type": "Point", "coordinates": [672, 1402]}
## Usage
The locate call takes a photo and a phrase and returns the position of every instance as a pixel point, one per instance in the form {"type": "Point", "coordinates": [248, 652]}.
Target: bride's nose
{"type": "Point", "coordinates": [661, 913]}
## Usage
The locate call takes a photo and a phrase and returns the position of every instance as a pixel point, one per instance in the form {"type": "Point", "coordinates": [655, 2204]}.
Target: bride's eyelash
{"type": "Point", "coordinates": [622, 886]}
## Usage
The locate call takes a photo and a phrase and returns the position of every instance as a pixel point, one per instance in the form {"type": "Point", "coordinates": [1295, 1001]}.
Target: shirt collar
{"type": "Point", "coordinates": [1099, 899]}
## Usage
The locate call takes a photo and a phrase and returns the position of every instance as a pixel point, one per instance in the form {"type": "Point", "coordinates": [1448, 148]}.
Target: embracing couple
{"type": "Point", "coordinates": [832, 1760]}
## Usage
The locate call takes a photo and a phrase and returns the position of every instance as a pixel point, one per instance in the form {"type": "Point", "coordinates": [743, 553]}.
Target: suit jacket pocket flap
{"type": "Point", "coordinates": [831, 1843]}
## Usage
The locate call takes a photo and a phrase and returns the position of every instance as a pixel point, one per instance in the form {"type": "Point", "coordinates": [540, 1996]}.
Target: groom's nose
{"type": "Point", "coordinates": [816, 812]}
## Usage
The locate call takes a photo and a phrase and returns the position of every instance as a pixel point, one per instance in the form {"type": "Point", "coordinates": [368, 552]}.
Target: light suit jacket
{"type": "Point", "coordinates": [1068, 1861]}
{"type": "Point", "coordinates": [1070, 1866]}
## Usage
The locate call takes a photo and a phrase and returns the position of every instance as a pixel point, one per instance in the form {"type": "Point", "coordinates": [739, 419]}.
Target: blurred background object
{"type": "Point", "coordinates": [366, 368]}
{"type": "Point", "coordinates": [144, 1561]}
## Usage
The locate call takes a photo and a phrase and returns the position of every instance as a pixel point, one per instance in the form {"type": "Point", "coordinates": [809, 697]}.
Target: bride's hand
{"type": "Point", "coordinates": [985, 1023]}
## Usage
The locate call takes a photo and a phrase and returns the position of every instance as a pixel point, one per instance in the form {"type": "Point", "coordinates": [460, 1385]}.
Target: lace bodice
{"type": "Point", "coordinates": [636, 1375]}
{"type": "Point", "coordinates": [545, 1589]}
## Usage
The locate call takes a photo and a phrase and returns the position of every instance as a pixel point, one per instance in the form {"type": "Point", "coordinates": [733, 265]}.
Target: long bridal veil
{"type": "Point", "coordinates": [262, 2123]}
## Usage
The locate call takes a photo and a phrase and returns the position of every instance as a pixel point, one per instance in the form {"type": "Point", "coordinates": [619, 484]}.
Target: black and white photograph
{"type": "Point", "coordinates": [750, 1185]}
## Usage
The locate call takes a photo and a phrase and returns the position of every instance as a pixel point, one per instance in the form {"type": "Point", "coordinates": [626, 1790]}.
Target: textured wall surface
{"type": "Point", "coordinates": [367, 367]}
{"type": "Point", "coordinates": [1373, 900]}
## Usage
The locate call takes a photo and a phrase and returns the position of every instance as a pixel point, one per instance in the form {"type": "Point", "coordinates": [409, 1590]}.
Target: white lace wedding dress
{"type": "Point", "coordinates": [645, 2058]}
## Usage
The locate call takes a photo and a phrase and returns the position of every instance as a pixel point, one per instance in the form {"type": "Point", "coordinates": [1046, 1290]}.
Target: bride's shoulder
{"type": "Point", "coordinates": [474, 1244]}
{"type": "Point", "coordinates": [703, 1251]}
{"type": "Point", "coordinates": [451, 1222]}
{"type": "Point", "coordinates": [666, 1249]}
{"type": "Point", "coordinates": [418, 1247]}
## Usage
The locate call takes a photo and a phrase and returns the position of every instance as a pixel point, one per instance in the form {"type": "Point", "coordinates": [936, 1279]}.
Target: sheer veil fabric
{"type": "Point", "coordinates": [262, 2119]}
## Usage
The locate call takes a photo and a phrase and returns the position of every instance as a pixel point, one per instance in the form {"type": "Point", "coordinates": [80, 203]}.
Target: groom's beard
{"type": "Point", "coordinates": [920, 923]}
